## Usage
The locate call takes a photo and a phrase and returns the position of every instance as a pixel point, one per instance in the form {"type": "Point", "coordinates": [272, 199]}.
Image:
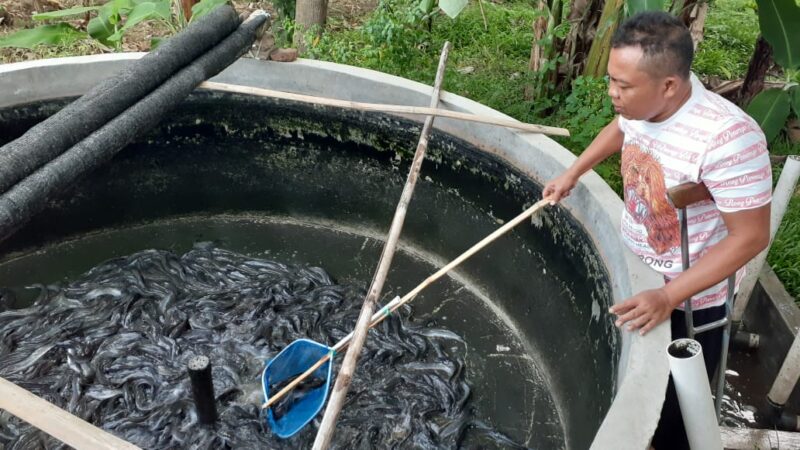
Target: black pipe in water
{"type": "Point", "coordinates": [50, 138]}
{"type": "Point", "coordinates": [30, 195]}
{"type": "Point", "coordinates": [199, 368]}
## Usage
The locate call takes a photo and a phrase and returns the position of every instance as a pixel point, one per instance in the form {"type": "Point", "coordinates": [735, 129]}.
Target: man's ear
{"type": "Point", "coordinates": [670, 85]}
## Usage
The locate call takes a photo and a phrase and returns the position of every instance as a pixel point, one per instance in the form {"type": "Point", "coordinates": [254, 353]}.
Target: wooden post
{"type": "Point", "coordinates": [186, 8]}
{"type": "Point", "coordinates": [335, 403]}
{"type": "Point", "coordinates": [56, 422]}
{"type": "Point", "coordinates": [378, 107]}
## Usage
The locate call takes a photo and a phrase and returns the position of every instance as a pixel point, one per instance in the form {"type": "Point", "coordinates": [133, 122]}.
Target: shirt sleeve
{"type": "Point", "coordinates": [736, 167]}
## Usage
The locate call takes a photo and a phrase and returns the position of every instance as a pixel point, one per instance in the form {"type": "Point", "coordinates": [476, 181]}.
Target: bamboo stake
{"type": "Point", "coordinates": [378, 107]}
{"type": "Point", "coordinates": [328, 425]}
{"type": "Point", "coordinates": [56, 422]}
{"type": "Point", "coordinates": [392, 306]}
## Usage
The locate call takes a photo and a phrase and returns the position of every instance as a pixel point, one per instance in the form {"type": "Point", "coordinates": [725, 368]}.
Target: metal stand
{"type": "Point", "coordinates": [681, 197]}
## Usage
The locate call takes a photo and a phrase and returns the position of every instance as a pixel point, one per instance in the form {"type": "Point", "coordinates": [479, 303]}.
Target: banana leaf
{"type": "Point", "coordinates": [204, 7]}
{"type": "Point", "coordinates": [637, 6]}
{"type": "Point", "coordinates": [771, 110]}
{"type": "Point", "coordinates": [143, 11]}
{"type": "Point", "coordinates": [780, 22]}
{"type": "Point", "coordinates": [452, 7]}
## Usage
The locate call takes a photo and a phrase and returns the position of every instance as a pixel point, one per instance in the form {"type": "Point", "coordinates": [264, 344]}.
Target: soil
{"type": "Point", "coordinates": [16, 15]}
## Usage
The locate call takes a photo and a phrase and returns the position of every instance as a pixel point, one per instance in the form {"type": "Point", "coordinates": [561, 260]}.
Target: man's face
{"type": "Point", "coordinates": [636, 94]}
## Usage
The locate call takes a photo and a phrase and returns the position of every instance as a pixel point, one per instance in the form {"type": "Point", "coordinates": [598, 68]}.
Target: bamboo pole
{"type": "Point", "coordinates": [378, 107]}
{"type": "Point", "coordinates": [56, 422]}
{"type": "Point", "coordinates": [328, 425]}
{"type": "Point", "coordinates": [392, 306]}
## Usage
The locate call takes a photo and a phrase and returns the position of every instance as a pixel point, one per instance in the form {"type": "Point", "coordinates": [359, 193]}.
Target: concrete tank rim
{"type": "Point", "coordinates": [643, 369]}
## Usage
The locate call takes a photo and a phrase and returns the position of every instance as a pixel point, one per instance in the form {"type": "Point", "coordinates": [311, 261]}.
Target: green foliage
{"type": "Point", "coordinates": [142, 12]}
{"type": "Point", "coordinates": [771, 110]}
{"type": "Point", "coordinates": [395, 39]}
{"type": "Point", "coordinates": [587, 109]}
{"type": "Point", "coordinates": [637, 6]}
{"type": "Point", "coordinates": [452, 7]}
{"type": "Point", "coordinates": [59, 34]}
{"type": "Point", "coordinates": [794, 92]}
{"type": "Point", "coordinates": [285, 8]}
{"type": "Point", "coordinates": [780, 21]}
{"type": "Point", "coordinates": [110, 23]}
{"type": "Point", "coordinates": [729, 38]}
{"type": "Point", "coordinates": [204, 7]}
{"type": "Point", "coordinates": [78, 10]}
{"type": "Point", "coordinates": [784, 255]}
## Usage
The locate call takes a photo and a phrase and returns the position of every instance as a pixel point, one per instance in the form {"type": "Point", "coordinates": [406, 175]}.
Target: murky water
{"type": "Point", "coordinates": [316, 187]}
{"type": "Point", "coordinates": [128, 326]}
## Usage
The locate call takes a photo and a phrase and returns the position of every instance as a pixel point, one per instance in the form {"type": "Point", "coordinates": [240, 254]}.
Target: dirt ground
{"type": "Point", "coordinates": [16, 15]}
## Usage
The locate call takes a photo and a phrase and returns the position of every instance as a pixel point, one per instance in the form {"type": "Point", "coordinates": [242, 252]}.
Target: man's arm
{"type": "Point", "coordinates": [748, 235]}
{"type": "Point", "coordinates": [605, 144]}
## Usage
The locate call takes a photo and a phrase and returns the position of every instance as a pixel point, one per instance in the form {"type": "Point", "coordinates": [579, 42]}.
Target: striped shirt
{"type": "Point", "coordinates": [710, 140]}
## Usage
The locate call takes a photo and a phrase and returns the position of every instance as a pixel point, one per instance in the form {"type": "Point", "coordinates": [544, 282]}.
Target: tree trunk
{"type": "Point", "coordinates": [583, 18]}
{"type": "Point", "coordinates": [760, 63]}
{"type": "Point", "coordinates": [309, 15]}
{"type": "Point", "coordinates": [539, 27]}
{"type": "Point", "coordinates": [186, 7]}
{"type": "Point", "coordinates": [597, 60]}
{"type": "Point", "coordinates": [544, 26]}
{"type": "Point", "coordinates": [697, 21]}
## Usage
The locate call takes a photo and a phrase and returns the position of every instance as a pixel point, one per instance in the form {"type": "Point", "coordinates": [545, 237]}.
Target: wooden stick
{"type": "Point", "coordinates": [384, 312]}
{"type": "Point", "coordinates": [378, 107]}
{"type": "Point", "coordinates": [328, 425]}
{"type": "Point", "coordinates": [56, 422]}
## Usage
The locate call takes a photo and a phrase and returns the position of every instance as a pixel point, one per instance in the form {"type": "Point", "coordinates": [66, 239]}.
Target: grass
{"type": "Point", "coordinates": [729, 38]}
{"type": "Point", "coordinates": [784, 256]}
{"type": "Point", "coordinates": [487, 66]}
{"type": "Point", "coordinates": [79, 48]}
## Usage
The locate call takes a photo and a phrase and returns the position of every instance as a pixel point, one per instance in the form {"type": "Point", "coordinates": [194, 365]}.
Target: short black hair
{"type": "Point", "coordinates": [665, 42]}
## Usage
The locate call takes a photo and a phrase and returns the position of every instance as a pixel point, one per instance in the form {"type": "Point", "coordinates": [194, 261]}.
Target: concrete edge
{"type": "Point", "coordinates": [643, 371]}
{"type": "Point", "coordinates": [783, 303]}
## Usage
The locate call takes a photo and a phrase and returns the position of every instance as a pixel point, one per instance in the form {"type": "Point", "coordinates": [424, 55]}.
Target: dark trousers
{"type": "Point", "coordinates": [671, 433]}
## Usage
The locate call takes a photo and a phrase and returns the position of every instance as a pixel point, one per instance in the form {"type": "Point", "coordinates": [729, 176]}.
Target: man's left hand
{"type": "Point", "coordinates": [643, 311]}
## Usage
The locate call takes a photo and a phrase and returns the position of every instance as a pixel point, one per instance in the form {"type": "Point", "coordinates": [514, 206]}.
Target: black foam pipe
{"type": "Point", "coordinates": [32, 194]}
{"type": "Point", "coordinates": [50, 138]}
{"type": "Point", "coordinates": [199, 368]}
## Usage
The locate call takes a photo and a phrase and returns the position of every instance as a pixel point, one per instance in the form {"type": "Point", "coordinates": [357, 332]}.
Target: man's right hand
{"type": "Point", "coordinates": [559, 187]}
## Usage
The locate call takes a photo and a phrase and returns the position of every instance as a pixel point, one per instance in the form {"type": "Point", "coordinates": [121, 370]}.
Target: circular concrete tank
{"type": "Point", "coordinates": [318, 186]}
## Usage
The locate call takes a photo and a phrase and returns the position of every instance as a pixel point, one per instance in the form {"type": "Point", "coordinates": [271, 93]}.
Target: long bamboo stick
{"type": "Point", "coordinates": [378, 107]}
{"type": "Point", "coordinates": [392, 306]}
{"type": "Point", "coordinates": [328, 425]}
{"type": "Point", "coordinates": [56, 422]}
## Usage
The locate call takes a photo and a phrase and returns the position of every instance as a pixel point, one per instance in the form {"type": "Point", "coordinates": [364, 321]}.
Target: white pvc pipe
{"type": "Point", "coordinates": [780, 201]}
{"type": "Point", "coordinates": [788, 375]}
{"type": "Point", "coordinates": [694, 394]}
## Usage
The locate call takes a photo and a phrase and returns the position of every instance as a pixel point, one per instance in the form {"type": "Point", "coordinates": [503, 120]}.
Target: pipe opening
{"type": "Point", "coordinates": [684, 348]}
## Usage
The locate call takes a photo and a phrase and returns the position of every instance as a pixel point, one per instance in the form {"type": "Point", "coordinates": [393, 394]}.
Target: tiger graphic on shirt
{"type": "Point", "coordinates": [646, 201]}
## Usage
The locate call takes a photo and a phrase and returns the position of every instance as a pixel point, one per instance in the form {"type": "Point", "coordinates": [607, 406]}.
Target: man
{"type": "Point", "coordinates": [671, 130]}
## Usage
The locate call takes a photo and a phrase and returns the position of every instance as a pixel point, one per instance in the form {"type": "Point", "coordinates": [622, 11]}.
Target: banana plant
{"type": "Point", "coordinates": [779, 21]}
{"type": "Point", "coordinates": [110, 22]}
